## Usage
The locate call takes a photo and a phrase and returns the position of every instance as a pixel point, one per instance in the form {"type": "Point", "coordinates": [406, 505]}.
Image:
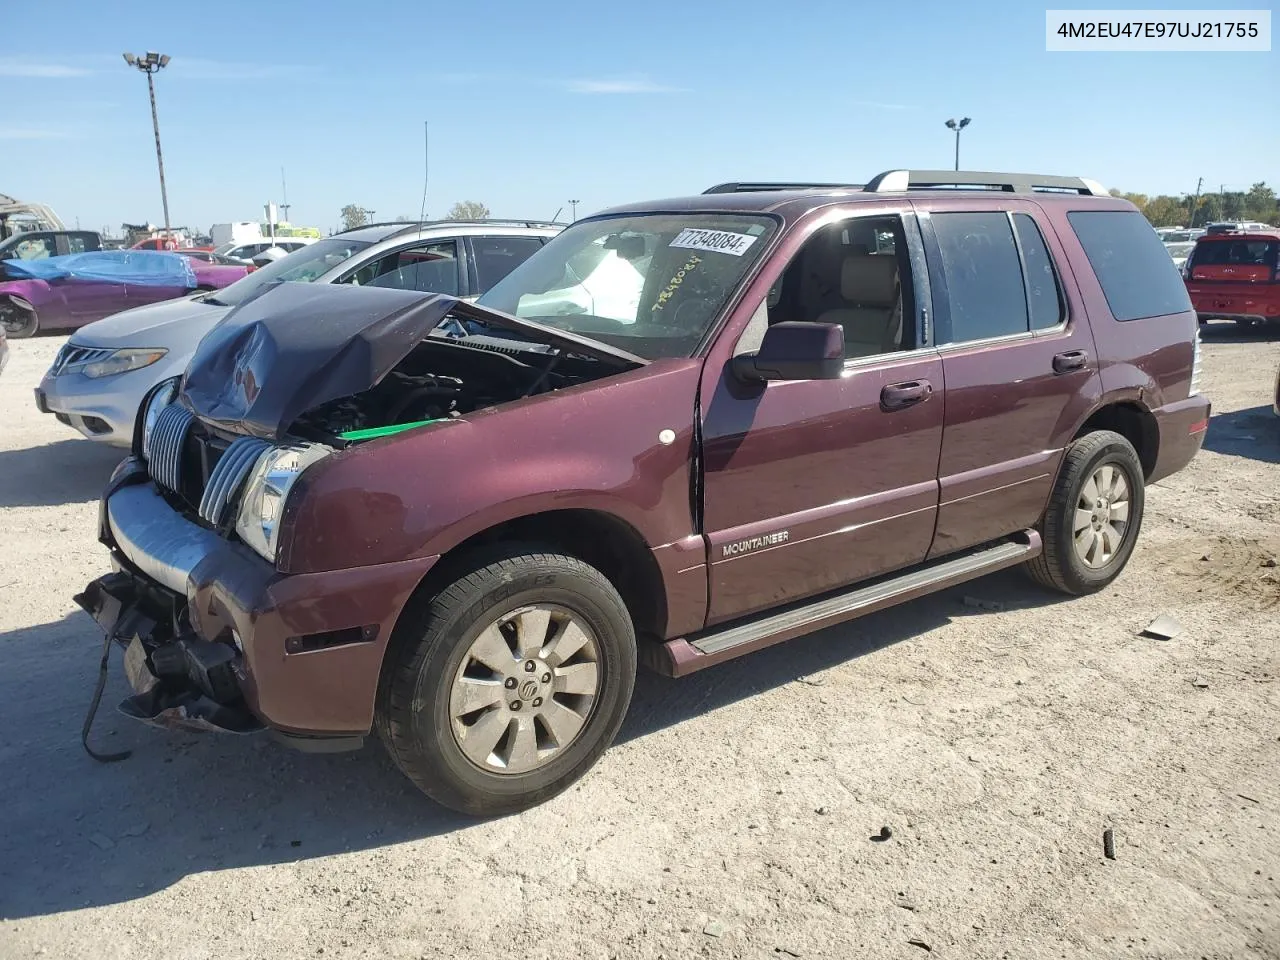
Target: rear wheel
{"type": "Point", "coordinates": [506, 686]}
{"type": "Point", "coordinates": [18, 321]}
{"type": "Point", "coordinates": [1095, 512]}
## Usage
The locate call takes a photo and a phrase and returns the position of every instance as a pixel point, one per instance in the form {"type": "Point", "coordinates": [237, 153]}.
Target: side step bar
{"type": "Point", "coordinates": [683, 656]}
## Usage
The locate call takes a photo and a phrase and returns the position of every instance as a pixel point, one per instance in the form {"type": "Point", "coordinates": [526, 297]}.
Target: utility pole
{"type": "Point", "coordinates": [957, 126]}
{"type": "Point", "coordinates": [284, 190]}
{"type": "Point", "coordinates": [574, 205]}
{"type": "Point", "coordinates": [150, 64]}
{"type": "Point", "coordinates": [1191, 213]}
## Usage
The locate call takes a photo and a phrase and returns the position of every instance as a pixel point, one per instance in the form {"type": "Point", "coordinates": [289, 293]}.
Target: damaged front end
{"type": "Point", "coordinates": [180, 680]}
{"type": "Point", "coordinates": [215, 637]}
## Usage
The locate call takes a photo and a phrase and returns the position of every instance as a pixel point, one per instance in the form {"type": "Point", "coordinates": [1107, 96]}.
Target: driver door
{"type": "Point", "coordinates": [812, 485]}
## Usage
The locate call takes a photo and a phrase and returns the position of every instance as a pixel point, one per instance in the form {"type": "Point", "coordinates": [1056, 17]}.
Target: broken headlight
{"type": "Point", "coordinates": [267, 490]}
{"type": "Point", "coordinates": [163, 394]}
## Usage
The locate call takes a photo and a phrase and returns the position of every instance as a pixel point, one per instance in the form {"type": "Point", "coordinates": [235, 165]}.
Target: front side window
{"type": "Point", "coordinates": [984, 276]}
{"type": "Point", "coordinates": [305, 265]}
{"type": "Point", "coordinates": [498, 256]}
{"type": "Point", "coordinates": [855, 273]}
{"type": "Point", "coordinates": [1137, 275]}
{"type": "Point", "coordinates": [649, 284]}
{"type": "Point", "coordinates": [430, 268]}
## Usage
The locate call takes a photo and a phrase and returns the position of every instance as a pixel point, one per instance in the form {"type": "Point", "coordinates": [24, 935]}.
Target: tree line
{"type": "Point", "coordinates": [353, 215]}
{"type": "Point", "coordinates": [1256, 203]}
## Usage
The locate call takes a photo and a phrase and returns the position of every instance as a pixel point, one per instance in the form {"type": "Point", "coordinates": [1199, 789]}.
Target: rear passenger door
{"type": "Point", "coordinates": [1019, 364]}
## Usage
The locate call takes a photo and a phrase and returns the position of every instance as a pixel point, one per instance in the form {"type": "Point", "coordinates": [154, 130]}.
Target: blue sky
{"type": "Point", "coordinates": [531, 105]}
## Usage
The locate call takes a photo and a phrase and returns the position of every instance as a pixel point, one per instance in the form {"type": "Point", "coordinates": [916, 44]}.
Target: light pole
{"type": "Point", "coordinates": [957, 126]}
{"type": "Point", "coordinates": [574, 205]}
{"type": "Point", "coordinates": [149, 64]}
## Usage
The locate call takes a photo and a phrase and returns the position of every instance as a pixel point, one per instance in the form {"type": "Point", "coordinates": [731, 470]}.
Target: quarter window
{"type": "Point", "coordinates": [983, 274]}
{"type": "Point", "coordinates": [1136, 273]}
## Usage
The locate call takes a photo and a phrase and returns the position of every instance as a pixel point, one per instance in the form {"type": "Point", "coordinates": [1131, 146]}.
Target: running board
{"type": "Point", "coordinates": [682, 656]}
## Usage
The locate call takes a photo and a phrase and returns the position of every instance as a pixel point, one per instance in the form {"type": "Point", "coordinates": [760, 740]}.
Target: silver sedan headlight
{"type": "Point", "coordinates": [164, 395]}
{"type": "Point", "coordinates": [121, 361]}
{"type": "Point", "coordinates": [267, 490]}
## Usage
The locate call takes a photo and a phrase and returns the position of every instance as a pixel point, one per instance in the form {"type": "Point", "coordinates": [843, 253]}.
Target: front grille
{"type": "Point", "coordinates": [163, 451]}
{"type": "Point", "coordinates": [228, 476]}
{"type": "Point", "coordinates": [73, 356]}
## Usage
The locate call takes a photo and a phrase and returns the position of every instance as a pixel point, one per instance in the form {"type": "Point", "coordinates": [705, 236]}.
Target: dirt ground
{"type": "Point", "coordinates": [738, 815]}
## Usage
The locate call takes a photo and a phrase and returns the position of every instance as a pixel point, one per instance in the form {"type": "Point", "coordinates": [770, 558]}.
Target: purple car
{"type": "Point", "coordinates": [70, 291]}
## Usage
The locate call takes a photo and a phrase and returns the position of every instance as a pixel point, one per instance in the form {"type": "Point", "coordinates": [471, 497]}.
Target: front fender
{"type": "Point", "coordinates": [36, 293]}
{"type": "Point", "coordinates": [423, 492]}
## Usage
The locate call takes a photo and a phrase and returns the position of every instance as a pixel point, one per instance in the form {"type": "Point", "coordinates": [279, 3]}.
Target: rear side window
{"type": "Point", "coordinates": [1137, 274]}
{"type": "Point", "coordinates": [498, 256]}
{"type": "Point", "coordinates": [1043, 297]}
{"type": "Point", "coordinates": [984, 276]}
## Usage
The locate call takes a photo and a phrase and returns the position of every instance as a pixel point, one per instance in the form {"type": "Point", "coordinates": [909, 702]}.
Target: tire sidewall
{"type": "Point", "coordinates": [540, 582]}
{"type": "Point", "coordinates": [1117, 452]}
{"type": "Point", "coordinates": [29, 329]}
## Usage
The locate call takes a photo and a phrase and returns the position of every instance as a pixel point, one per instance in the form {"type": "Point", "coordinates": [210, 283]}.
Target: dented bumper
{"type": "Point", "coordinates": [215, 637]}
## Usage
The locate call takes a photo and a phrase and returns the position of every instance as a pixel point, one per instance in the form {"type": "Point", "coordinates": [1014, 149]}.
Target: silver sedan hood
{"type": "Point", "coordinates": [176, 325]}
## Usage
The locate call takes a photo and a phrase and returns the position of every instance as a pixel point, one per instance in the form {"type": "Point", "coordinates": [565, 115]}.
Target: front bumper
{"type": "Point", "coordinates": [103, 408]}
{"type": "Point", "coordinates": [300, 654]}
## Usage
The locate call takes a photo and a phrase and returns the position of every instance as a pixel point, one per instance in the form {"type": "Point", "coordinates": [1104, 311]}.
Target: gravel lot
{"type": "Point", "coordinates": [738, 814]}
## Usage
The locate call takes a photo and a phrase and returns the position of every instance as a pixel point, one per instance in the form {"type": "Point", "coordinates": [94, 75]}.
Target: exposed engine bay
{"type": "Point", "coordinates": [445, 377]}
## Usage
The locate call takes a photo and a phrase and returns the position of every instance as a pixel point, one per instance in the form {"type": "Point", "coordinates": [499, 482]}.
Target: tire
{"type": "Point", "coordinates": [18, 323]}
{"type": "Point", "coordinates": [1060, 565]}
{"type": "Point", "coordinates": [435, 642]}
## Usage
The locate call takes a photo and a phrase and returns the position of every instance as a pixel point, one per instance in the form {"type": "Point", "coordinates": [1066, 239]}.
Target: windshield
{"type": "Point", "coordinates": [1179, 249]}
{"type": "Point", "coordinates": [650, 284]}
{"type": "Point", "coordinates": [304, 264]}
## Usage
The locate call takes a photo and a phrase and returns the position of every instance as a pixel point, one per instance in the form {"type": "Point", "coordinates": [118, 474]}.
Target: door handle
{"type": "Point", "coordinates": [896, 396]}
{"type": "Point", "coordinates": [1072, 360]}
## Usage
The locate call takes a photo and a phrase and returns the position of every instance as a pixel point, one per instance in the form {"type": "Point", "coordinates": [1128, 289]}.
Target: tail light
{"type": "Point", "coordinates": [1195, 367]}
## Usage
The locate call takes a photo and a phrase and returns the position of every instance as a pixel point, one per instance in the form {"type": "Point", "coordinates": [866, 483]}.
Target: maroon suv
{"type": "Point", "coordinates": [680, 432]}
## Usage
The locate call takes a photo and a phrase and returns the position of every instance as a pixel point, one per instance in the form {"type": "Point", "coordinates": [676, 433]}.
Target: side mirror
{"type": "Point", "coordinates": [795, 351]}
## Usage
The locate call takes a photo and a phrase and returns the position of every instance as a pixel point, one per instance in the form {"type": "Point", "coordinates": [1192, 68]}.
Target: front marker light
{"type": "Point", "coordinates": [265, 494]}
{"type": "Point", "coordinates": [121, 361]}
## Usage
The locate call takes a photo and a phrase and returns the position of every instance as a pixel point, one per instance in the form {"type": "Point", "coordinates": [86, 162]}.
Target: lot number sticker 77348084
{"type": "Point", "coordinates": [717, 241]}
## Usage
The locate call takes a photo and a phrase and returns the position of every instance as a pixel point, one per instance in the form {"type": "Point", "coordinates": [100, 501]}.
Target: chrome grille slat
{"type": "Point", "coordinates": [164, 452]}
{"type": "Point", "coordinates": [228, 475]}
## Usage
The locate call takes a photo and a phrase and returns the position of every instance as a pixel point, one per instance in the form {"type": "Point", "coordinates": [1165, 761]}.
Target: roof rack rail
{"type": "Point", "coordinates": [409, 225]}
{"type": "Point", "coordinates": [896, 181]}
{"type": "Point", "coordinates": [752, 187]}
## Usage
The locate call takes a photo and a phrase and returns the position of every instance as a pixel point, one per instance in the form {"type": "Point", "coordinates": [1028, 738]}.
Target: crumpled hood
{"type": "Point", "coordinates": [297, 345]}
{"type": "Point", "coordinates": [173, 324]}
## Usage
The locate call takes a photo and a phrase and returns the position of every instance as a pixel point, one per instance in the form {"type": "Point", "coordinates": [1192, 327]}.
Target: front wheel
{"type": "Point", "coordinates": [506, 686]}
{"type": "Point", "coordinates": [18, 322]}
{"type": "Point", "coordinates": [1095, 512]}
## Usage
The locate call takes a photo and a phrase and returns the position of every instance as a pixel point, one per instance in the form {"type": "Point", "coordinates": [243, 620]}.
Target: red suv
{"type": "Point", "coordinates": [680, 432]}
{"type": "Point", "coordinates": [1235, 276]}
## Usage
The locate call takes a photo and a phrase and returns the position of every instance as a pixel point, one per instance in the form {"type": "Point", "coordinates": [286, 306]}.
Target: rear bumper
{"type": "Point", "coordinates": [304, 651]}
{"type": "Point", "coordinates": [1235, 301]}
{"type": "Point", "coordinates": [1182, 428]}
